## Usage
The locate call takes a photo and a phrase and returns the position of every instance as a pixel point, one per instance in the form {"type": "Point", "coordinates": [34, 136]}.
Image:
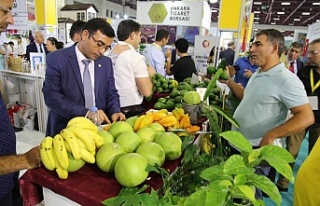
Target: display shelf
{"type": "Point", "coordinates": [23, 80]}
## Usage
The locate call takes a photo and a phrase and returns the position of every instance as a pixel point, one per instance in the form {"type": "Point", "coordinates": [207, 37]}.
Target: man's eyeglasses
{"type": "Point", "coordinates": [313, 52]}
{"type": "Point", "coordinates": [6, 11]}
{"type": "Point", "coordinates": [101, 45]}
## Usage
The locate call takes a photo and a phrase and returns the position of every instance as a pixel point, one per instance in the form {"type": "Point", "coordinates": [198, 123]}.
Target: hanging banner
{"type": "Point", "coordinates": [202, 47]}
{"type": "Point", "coordinates": [229, 15]}
{"type": "Point", "coordinates": [182, 13]}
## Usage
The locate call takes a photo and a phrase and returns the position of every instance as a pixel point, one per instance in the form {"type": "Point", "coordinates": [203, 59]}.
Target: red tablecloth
{"type": "Point", "coordinates": [88, 186]}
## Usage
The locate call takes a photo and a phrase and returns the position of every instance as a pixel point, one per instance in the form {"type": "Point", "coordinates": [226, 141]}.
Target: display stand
{"type": "Point", "coordinates": [24, 97]}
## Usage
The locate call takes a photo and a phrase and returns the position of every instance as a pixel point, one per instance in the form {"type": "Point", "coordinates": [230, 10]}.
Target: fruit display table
{"type": "Point", "coordinates": [88, 186]}
{"type": "Point", "coordinates": [149, 104]}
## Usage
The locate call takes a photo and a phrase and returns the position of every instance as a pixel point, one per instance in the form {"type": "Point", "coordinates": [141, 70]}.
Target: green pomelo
{"type": "Point", "coordinates": [157, 127]}
{"type": "Point", "coordinates": [130, 170]}
{"type": "Point", "coordinates": [108, 155]}
{"type": "Point", "coordinates": [74, 165]}
{"type": "Point", "coordinates": [153, 152]}
{"type": "Point", "coordinates": [119, 127]}
{"type": "Point", "coordinates": [171, 144]}
{"type": "Point", "coordinates": [146, 134]}
{"type": "Point", "coordinates": [132, 120]}
{"type": "Point", "coordinates": [106, 136]}
{"type": "Point", "coordinates": [192, 97]}
{"type": "Point", "coordinates": [130, 141]}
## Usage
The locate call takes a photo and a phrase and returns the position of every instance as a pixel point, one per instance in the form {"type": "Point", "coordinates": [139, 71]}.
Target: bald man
{"type": "Point", "coordinates": [37, 46]}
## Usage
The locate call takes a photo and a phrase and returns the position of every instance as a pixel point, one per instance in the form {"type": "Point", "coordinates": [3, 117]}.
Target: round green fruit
{"type": "Point", "coordinates": [192, 97]}
{"type": "Point", "coordinates": [119, 127]}
{"type": "Point", "coordinates": [157, 127]}
{"type": "Point", "coordinates": [74, 165]}
{"type": "Point", "coordinates": [153, 152]}
{"type": "Point", "coordinates": [130, 170]}
{"type": "Point", "coordinates": [130, 141]}
{"type": "Point", "coordinates": [132, 120]}
{"type": "Point", "coordinates": [146, 134]}
{"type": "Point", "coordinates": [171, 144]}
{"type": "Point", "coordinates": [108, 155]}
{"type": "Point", "coordinates": [106, 136]}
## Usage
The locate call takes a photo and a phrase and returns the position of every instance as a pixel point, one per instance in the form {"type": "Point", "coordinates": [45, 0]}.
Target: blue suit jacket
{"type": "Point", "coordinates": [33, 48]}
{"type": "Point", "coordinates": [63, 89]}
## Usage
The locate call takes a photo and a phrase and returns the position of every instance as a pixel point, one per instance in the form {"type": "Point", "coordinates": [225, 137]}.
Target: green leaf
{"type": "Point", "coordinates": [248, 192]}
{"type": "Point", "coordinates": [238, 140]}
{"type": "Point", "coordinates": [281, 166]}
{"type": "Point", "coordinates": [198, 198]}
{"type": "Point", "coordinates": [276, 151]}
{"type": "Point", "coordinates": [187, 141]}
{"type": "Point", "coordinates": [226, 115]}
{"type": "Point", "coordinates": [149, 199]}
{"type": "Point", "coordinates": [191, 153]}
{"type": "Point", "coordinates": [132, 190]}
{"type": "Point", "coordinates": [240, 179]}
{"type": "Point", "coordinates": [211, 173]}
{"type": "Point", "coordinates": [267, 186]}
{"type": "Point", "coordinates": [235, 165]}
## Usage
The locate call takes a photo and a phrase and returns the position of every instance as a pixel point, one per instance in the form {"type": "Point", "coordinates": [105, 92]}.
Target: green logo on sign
{"type": "Point", "coordinates": [157, 13]}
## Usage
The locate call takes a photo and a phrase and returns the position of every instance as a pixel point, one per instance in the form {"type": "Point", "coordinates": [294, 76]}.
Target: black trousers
{"type": "Point", "coordinates": [132, 110]}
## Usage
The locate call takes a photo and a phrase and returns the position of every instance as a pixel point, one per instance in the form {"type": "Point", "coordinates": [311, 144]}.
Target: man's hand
{"type": "Point", "coordinates": [103, 117]}
{"type": "Point", "coordinates": [266, 140]}
{"type": "Point", "coordinates": [247, 73]}
{"type": "Point", "coordinates": [33, 158]}
{"type": "Point", "coordinates": [168, 53]}
{"type": "Point", "coordinates": [231, 70]}
{"type": "Point", "coordinates": [118, 117]}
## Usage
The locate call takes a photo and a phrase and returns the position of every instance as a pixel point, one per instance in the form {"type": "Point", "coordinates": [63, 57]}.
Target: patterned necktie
{"type": "Point", "coordinates": [88, 94]}
{"type": "Point", "coordinates": [41, 51]}
{"type": "Point", "coordinates": [291, 67]}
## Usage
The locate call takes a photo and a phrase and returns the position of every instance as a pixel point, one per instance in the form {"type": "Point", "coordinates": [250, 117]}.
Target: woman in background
{"type": "Point", "coordinates": [53, 44]}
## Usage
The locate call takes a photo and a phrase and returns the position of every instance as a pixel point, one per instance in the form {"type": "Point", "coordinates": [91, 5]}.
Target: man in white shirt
{"type": "Point", "coordinates": [132, 76]}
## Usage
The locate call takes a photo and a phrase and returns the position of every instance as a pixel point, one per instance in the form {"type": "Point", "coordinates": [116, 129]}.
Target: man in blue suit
{"type": "Point", "coordinates": [294, 53]}
{"type": "Point", "coordinates": [64, 90]}
{"type": "Point", "coordinates": [37, 46]}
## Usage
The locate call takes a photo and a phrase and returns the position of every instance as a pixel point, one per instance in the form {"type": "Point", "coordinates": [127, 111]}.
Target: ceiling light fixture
{"type": "Point", "coordinates": [257, 3]}
{"type": "Point", "coordinates": [285, 3]}
{"type": "Point", "coordinates": [276, 19]}
{"type": "Point", "coordinates": [296, 19]}
{"type": "Point", "coordinates": [280, 12]}
{"type": "Point", "coordinates": [273, 23]}
{"type": "Point", "coordinates": [214, 11]}
{"type": "Point", "coordinates": [256, 18]}
{"type": "Point", "coordinates": [256, 12]}
{"type": "Point", "coordinates": [316, 3]}
{"type": "Point", "coordinates": [305, 13]}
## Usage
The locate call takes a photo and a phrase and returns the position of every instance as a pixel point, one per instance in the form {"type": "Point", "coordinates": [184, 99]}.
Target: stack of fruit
{"type": "Point", "coordinates": [162, 84]}
{"type": "Point", "coordinates": [75, 145]}
{"type": "Point", "coordinates": [211, 70]}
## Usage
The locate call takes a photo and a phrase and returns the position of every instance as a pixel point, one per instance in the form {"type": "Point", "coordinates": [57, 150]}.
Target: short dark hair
{"type": "Point", "coordinates": [275, 37]}
{"type": "Point", "coordinates": [10, 43]}
{"type": "Point", "coordinates": [182, 45]}
{"type": "Point", "coordinates": [296, 44]}
{"type": "Point", "coordinates": [58, 44]}
{"type": "Point", "coordinates": [230, 43]}
{"type": "Point", "coordinates": [126, 27]}
{"type": "Point", "coordinates": [76, 28]}
{"type": "Point", "coordinates": [162, 33]}
{"type": "Point", "coordinates": [98, 24]}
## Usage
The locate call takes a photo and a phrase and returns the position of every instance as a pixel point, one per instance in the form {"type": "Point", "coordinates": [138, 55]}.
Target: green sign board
{"type": "Point", "coordinates": [157, 13]}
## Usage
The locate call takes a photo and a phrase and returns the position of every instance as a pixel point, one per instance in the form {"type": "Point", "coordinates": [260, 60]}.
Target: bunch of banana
{"type": "Point", "coordinates": [178, 113]}
{"type": "Point", "coordinates": [206, 144]}
{"type": "Point", "coordinates": [80, 138]}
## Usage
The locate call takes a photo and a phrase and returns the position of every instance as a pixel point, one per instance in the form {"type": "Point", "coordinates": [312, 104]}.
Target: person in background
{"type": "Point", "coordinates": [130, 67]}
{"type": "Point", "coordinates": [81, 77]}
{"type": "Point", "coordinates": [75, 32]}
{"type": "Point", "coordinates": [10, 162]}
{"type": "Point", "coordinates": [37, 46]}
{"type": "Point", "coordinates": [21, 48]}
{"type": "Point", "coordinates": [154, 55]}
{"type": "Point", "coordinates": [271, 91]}
{"type": "Point", "coordinates": [310, 77]}
{"type": "Point", "coordinates": [211, 55]}
{"type": "Point", "coordinates": [184, 67]}
{"type": "Point", "coordinates": [6, 48]}
{"type": "Point", "coordinates": [228, 53]}
{"type": "Point", "coordinates": [294, 141]}
{"type": "Point", "coordinates": [53, 44]}
{"type": "Point", "coordinates": [13, 49]}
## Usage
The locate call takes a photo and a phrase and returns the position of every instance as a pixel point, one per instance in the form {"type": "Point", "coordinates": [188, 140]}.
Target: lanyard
{"type": "Point", "coordinates": [313, 87]}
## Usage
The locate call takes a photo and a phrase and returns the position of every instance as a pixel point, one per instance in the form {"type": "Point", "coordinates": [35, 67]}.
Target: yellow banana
{"type": "Point", "coordinates": [144, 123]}
{"type": "Point", "coordinates": [60, 151]}
{"type": "Point", "coordinates": [149, 115]}
{"type": "Point", "coordinates": [158, 115]}
{"type": "Point", "coordinates": [206, 144]}
{"type": "Point", "coordinates": [46, 153]}
{"type": "Point", "coordinates": [83, 123]}
{"type": "Point", "coordinates": [68, 147]}
{"type": "Point", "coordinates": [72, 141]}
{"type": "Point", "coordinates": [80, 134]}
{"type": "Point", "coordinates": [136, 126]}
{"type": "Point", "coordinates": [62, 173]}
{"type": "Point", "coordinates": [87, 156]}
{"type": "Point", "coordinates": [82, 145]}
{"type": "Point", "coordinates": [98, 141]}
